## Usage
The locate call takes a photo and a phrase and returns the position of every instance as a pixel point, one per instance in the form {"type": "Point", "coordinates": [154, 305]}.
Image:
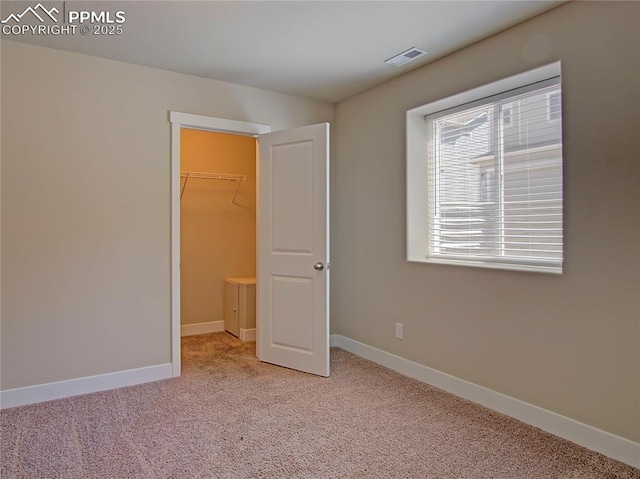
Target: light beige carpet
{"type": "Point", "coordinates": [229, 416]}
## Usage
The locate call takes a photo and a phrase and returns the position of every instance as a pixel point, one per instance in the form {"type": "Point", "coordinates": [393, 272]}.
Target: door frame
{"type": "Point", "coordinates": [178, 121]}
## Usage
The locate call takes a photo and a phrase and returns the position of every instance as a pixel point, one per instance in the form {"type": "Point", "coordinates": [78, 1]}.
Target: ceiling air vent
{"type": "Point", "coordinates": [406, 56]}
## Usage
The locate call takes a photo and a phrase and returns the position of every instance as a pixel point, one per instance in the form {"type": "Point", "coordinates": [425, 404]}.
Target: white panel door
{"type": "Point", "coordinates": [293, 249]}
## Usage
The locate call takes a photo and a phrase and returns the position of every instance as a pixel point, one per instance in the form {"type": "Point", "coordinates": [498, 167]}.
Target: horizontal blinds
{"type": "Point", "coordinates": [495, 179]}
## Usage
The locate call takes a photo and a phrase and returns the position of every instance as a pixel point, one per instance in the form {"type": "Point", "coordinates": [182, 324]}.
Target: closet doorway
{"type": "Point", "coordinates": [217, 227]}
{"type": "Point", "coordinates": [292, 238]}
{"type": "Point", "coordinates": [182, 122]}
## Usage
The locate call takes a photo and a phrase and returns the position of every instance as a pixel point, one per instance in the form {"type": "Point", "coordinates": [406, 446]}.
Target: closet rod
{"type": "Point", "coordinates": [211, 176]}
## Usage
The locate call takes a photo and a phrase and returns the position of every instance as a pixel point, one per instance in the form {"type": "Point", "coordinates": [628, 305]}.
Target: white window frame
{"type": "Point", "coordinates": [417, 167]}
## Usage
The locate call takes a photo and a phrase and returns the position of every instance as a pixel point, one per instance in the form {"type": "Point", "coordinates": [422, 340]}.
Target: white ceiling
{"type": "Point", "coordinates": [326, 50]}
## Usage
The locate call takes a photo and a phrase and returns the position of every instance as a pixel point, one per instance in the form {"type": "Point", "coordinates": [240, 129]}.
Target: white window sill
{"type": "Point", "coordinates": [534, 268]}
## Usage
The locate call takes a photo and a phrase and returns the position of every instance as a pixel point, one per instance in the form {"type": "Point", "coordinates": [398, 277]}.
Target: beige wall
{"type": "Point", "coordinates": [217, 237]}
{"type": "Point", "coordinates": [566, 343]}
{"type": "Point", "coordinates": [86, 206]}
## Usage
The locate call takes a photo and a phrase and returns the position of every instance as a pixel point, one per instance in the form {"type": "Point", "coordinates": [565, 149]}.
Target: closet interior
{"type": "Point", "coordinates": [217, 233]}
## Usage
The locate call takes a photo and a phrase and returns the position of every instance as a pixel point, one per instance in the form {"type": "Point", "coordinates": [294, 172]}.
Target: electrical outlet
{"type": "Point", "coordinates": [399, 331]}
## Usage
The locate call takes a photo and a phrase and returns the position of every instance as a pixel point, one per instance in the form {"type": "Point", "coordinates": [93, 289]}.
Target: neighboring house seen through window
{"type": "Point", "coordinates": [492, 181]}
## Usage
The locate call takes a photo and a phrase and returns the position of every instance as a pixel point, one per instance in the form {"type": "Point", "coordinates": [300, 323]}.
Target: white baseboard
{"type": "Point", "coordinates": [91, 384]}
{"type": "Point", "coordinates": [590, 437]}
{"type": "Point", "coordinates": [248, 334]}
{"type": "Point", "coordinates": [202, 328]}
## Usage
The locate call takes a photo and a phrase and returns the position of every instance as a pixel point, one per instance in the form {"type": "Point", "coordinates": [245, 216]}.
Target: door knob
{"type": "Point", "coordinates": [319, 266]}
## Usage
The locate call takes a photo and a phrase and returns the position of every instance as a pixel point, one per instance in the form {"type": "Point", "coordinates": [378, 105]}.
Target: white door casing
{"type": "Point", "coordinates": [293, 249]}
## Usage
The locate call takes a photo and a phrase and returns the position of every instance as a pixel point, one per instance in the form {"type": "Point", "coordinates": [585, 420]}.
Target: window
{"type": "Point", "coordinates": [507, 114]}
{"type": "Point", "coordinates": [555, 106]}
{"type": "Point", "coordinates": [491, 181]}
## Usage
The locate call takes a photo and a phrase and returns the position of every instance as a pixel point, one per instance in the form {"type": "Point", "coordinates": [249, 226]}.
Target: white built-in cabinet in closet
{"type": "Point", "coordinates": [240, 307]}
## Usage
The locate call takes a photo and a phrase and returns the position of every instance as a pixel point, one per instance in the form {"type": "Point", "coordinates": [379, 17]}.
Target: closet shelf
{"type": "Point", "coordinates": [211, 176]}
